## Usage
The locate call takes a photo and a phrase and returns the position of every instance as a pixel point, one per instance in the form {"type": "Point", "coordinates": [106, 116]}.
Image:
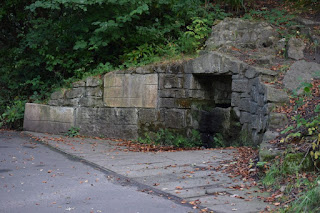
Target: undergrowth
{"type": "Point", "coordinates": [293, 177]}
{"type": "Point", "coordinates": [166, 137]}
{"type": "Point", "coordinates": [73, 132]}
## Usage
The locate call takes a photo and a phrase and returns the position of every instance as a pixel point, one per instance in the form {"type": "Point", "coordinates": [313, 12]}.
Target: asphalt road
{"type": "Point", "coordinates": [35, 178]}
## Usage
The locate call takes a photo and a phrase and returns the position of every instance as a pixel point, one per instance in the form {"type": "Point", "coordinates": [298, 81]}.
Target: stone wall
{"type": "Point", "coordinates": [196, 94]}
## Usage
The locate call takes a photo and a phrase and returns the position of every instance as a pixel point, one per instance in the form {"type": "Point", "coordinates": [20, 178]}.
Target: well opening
{"type": "Point", "coordinates": [217, 123]}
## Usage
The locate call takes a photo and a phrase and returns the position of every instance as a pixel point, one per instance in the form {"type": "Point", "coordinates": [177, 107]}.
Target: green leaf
{"type": "Point", "coordinates": [80, 45]}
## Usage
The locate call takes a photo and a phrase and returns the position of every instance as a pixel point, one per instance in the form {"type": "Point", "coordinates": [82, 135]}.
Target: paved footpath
{"type": "Point", "coordinates": [187, 175]}
{"type": "Point", "coordinates": [37, 179]}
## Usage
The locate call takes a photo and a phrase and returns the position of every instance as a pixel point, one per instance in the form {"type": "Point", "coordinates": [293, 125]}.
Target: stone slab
{"type": "Point", "coordinates": [50, 119]}
{"type": "Point", "coordinates": [130, 90]}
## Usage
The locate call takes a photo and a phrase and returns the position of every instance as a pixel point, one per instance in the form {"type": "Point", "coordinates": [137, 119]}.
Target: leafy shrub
{"type": "Point", "coordinates": [195, 35]}
{"type": "Point", "coordinates": [305, 128]}
{"type": "Point", "coordinates": [13, 115]}
{"type": "Point", "coordinates": [73, 132]}
{"type": "Point", "coordinates": [165, 137]}
{"type": "Point", "coordinates": [218, 140]}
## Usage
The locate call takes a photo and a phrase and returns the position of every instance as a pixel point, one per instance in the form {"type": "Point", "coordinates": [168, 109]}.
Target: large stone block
{"type": "Point", "coordinates": [245, 117]}
{"type": "Point", "coordinates": [240, 85]}
{"type": "Point", "coordinates": [145, 70]}
{"type": "Point", "coordinates": [75, 93]}
{"type": "Point", "coordinates": [214, 63]}
{"type": "Point", "coordinates": [267, 108]}
{"type": "Point", "coordinates": [244, 104]}
{"type": "Point", "coordinates": [170, 81]}
{"type": "Point", "coordinates": [50, 119]}
{"type": "Point", "coordinates": [300, 72]}
{"type": "Point", "coordinates": [167, 93]}
{"type": "Point", "coordinates": [191, 82]}
{"type": "Point", "coordinates": [251, 73]}
{"type": "Point", "coordinates": [71, 102]}
{"type": "Point", "coordinates": [103, 116]}
{"type": "Point", "coordinates": [91, 102]}
{"type": "Point", "coordinates": [234, 65]}
{"type": "Point", "coordinates": [235, 99]}
{"type": "Point", "coordinates": [58, 94]}
{"type": "Point", "coordinates": [94, 91]}
{"type": "Point", "coordinates": [277, 120]}
{"type": "Point", "coordinates": [93, 81]}
{"type": "Point", "coordinates": [253, 107]}
{"type": "Point", "coordinates": [79, 84]}
{"type": "Point", "coordinates": [147, 115]}
{"type": "Point", "coordinates": [180, 93]}
{"type": "Point", "coordinates": [130, 90]}
{"type": "Point", "coordinates": [275, 95]}
{"type": "Point", "coordinates": [126, 116]}
{"type": "Point", "coordinates": [175, 118]}
{"type": "Point", "coordinates": [176, 68]}
{"type": "Point", "coordinates": [121, 123]}
{"type": "Point", "coordinates": [295, 48]}
{"type": "Point", "coordinates": [167, 103]}
{"type": "Point", "coordinates": [241, 33]}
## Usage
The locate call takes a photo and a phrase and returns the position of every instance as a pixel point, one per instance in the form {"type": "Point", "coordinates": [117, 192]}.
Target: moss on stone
{"type": "Point", "coordinates": [266, 155]}
{"type": "Point", "coordinates": [295, 162]}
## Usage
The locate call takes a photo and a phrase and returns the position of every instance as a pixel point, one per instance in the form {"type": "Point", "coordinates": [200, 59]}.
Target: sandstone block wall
{"type": "Point", "coordinates": [195, 94]}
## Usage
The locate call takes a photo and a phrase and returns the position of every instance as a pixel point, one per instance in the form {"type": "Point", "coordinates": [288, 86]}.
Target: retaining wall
{"type": "Point", "coordinates": [197, 94]}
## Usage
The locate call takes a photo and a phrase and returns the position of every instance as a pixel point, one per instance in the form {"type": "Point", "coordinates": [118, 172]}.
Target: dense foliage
{"type": "Point", "coordinates": [47, 43]}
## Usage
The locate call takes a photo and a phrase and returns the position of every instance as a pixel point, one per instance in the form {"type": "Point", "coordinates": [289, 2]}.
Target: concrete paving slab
{"type": "Point", "coordinates": [193, 172]}
{"type": "Point", "coordinates": [228, 203]}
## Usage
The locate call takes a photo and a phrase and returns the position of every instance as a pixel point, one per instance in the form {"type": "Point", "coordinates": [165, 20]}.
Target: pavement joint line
{"type": "Point", "coordinates": [122, 179]}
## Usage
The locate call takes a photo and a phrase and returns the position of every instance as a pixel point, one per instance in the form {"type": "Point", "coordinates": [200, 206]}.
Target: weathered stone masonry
{"type": "Point", "coordinates": [181, 96]}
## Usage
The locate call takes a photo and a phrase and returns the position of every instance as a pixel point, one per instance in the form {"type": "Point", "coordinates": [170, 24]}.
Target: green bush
{"type": "Point", "coordinates": [73, 132]}
{"type": "Point", "coordinates": [166, 137]}
{"type": "Point", "coordinates": [13, 115]}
